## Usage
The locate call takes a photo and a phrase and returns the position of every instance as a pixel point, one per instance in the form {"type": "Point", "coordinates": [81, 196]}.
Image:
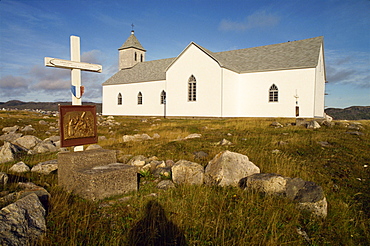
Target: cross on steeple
{"type": "Point", "coordinates": [132, 25]}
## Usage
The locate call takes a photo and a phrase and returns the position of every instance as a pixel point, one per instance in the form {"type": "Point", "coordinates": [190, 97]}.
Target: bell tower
{"type": "Point", "coordinates": [131, 52]}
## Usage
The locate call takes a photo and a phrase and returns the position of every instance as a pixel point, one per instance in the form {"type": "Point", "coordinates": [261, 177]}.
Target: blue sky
{"type": "Point", "coordinates": [33, 29]}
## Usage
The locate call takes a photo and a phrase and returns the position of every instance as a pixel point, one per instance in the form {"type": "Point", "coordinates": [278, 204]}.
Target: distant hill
{"type": "Point", "coordinates": [46, 106]}
{"type": "Point", "coordinates": [350, 113]}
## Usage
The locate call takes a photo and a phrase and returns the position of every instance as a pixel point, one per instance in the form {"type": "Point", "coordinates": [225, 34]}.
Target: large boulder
{"type": "Point", "coordinates": [45, 167]}
{"type": "Point", "coordinates": [19, 167]}
{"type": "Point", "coordinates": [28, 128]}
{"type": "Point", "coordinates": [227, 168]}
{"type": "Point", "coordinates": [308, 195]}
{"type": "Point", "coordinates": [27, 141]}
{"type": "Point", "coordinates": [187, 172]}
{"type": "Point", "coordinates": [313, 125]}
{"type": "Point", "coordinates": [44, 147]}
{"type": "Point", "coordinates": [11, 136]}
{"type": "Point", "coordinates": [268, 183]}
{"type": "Point", "coordinates": [8, 152]}
{"type": "Point", "coordinates": [10, 129]}
{"type": "Point", "coordinates": [22, 222]}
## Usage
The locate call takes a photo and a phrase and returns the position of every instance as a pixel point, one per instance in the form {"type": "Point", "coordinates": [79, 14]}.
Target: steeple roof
{"type": "Point", "coordinates": [132, 42]}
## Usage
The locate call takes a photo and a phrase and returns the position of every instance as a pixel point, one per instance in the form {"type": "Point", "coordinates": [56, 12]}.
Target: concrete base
{"type": "Point", "coordinates": [94, 174]}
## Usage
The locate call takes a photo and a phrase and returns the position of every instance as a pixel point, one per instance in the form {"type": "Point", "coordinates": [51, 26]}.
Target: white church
{"type": "Point", "coordinates": [280, 80]}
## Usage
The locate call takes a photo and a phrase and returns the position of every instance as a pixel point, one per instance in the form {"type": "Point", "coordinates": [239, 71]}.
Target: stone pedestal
{"type": "Point", "coordinates": [95, 174]}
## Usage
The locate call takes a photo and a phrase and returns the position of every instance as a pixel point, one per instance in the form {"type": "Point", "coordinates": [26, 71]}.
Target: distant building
{"type": "Point", "coordinates": [280, 80]}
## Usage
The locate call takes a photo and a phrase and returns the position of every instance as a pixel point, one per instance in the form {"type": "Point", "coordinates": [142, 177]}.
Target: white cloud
{"type": "Point", "coordinates": [260, 19]}
{"type": "Point", "coordinates": [348, 68]}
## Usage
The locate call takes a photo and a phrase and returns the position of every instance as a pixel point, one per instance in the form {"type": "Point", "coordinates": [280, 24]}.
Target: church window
{"type": "Point", "coordinates": [192, 89]}
{"type": "Point", "coordinates": [141, 58]}
{"type": "Point", "coordinates": [139, 98]}
{"type": "Point", "coordinates": [119, 98]}
{"type": "Point", "coordinates": [135, 56]}
{"type": "Point", "coordinates": [273, 93]}
{"type": "Point", "coordinates": [163, 97]}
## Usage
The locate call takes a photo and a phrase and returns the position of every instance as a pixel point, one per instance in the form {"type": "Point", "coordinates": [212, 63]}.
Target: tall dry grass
{"type": "Point", "coordinates": [203, 215]}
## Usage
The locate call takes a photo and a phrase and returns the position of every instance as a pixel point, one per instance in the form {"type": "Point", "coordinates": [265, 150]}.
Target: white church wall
{"type": "Point", "coordinates": [151, 99]}
{"type": "Point", "coordinates": [320, 87]}
{"type": "Point", "coordinates": [253, 93]}
{"type": "Point", "coordinates": [207, 72]}
{"type": "Point", "coordinates": [230, 93]}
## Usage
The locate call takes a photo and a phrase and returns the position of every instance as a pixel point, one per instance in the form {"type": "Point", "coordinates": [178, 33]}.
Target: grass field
{"type": "Point", "coordinates": [202, 215]}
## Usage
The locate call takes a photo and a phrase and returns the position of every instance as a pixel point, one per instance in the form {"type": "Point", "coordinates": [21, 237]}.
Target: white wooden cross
{"type": "Point", "coordinates": [76, 66]}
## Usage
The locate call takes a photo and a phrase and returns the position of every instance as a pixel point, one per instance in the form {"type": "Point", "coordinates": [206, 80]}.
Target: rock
{"type": "Point", "coordinates": [162, 171]}
{"type": "Point", "coordinates": [311, 197]}
{"type": "Point", "coordinates": [187, 172]}
{"type": "Point", "coordinates": [19, 167]}
{"type": "Point", "coordinates": [227, 168]}
{"type": "Point", "coordinates": [23, 222]}
{"type": "Point", "coordinates": [8, 151]}
{"type": "Point", "coordinates": [300, 122]}
{"type": "Point", "coordinates": [170, 163]}
{"type": "Point", "coordinates": [93, 146]}
{"type": "Point", "coordinates": [3, 178]}
{"type": "Point", "coordinates": [42, 122]}
{"type": "Point", "coordinates": [45, 167]}
{"type": "Point", "coordinates": [10, 129]}
{"type": "Point", "coordinates": [194, 135]}
{"type": "Point", "coordinates": [308, 195]}
{"type": "Point", "coordinates": [102, 138]}
{"type": "Point", "coordinates": [28, 141]}
{"type": "Point", "coordinates": [138, 161]}
{"type": "Point", "coordinates": [165, 184]}
{"type": "Point", "coordinates": [136, 137]}
{"type": "Point", "coordinates": [313, 125]}
{"type": "Point", "coordinates": [275, 151]}
{"type": "Point", "coordinates": [200, 155]}
{"type": "Point", "coordinates": [110, 117]}
{"type": "Point", "coordinates": [28, 128]}
{"type": "Point", "coordinates": [54, 138]}
{"type": "Point", "coordinates": [357, 133]}
{"type": "Point", "coordinates": [10, 137]}
{"type": "Point", "coordinates": [45, 146]}
{"type": "Point", "coordinates": [224, 142]}
{"type": "Point", "coordinates": [156, 135]}
{"type": "Point", "coordinates": [276, 124]}
{"type": "Point", "coordinates": [267, 183]}
{"type": "Point", "coordinates": [324, 143]}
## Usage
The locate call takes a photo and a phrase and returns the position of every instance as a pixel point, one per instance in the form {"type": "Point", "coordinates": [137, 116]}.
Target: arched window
{"type": "Point", "coordinates": [273, 93]}
{"type": "Point", "coordinates": [163, 97]}
{"type": "Point", "coordinates": [139, 98]}
{"type": "Point", "coordinates": [192, 89]}
{"type": "Point", "coordinates": [119, 99]}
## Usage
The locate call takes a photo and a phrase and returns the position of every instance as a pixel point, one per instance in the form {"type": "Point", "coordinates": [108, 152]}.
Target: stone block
{"type": "Point", "coordinates": [103, 181]}
{"type": "Point", "coordinates": [95, 174]}
{"type": "Point", "coordinates": [70, 162]}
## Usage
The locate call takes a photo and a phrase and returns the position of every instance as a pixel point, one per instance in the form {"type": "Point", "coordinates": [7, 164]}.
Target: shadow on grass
{"type": "Point", "coordinates": [155, 229]}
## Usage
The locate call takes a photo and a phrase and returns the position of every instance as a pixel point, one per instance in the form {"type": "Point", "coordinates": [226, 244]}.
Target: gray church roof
{"type": "Point", "coordinates": [290, 55]}
{"type": "Point", "coordinates": [132, 42]}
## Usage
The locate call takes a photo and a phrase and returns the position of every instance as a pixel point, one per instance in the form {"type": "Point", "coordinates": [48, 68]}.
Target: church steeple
{"type": "Point", "coordinates": [131, 52]}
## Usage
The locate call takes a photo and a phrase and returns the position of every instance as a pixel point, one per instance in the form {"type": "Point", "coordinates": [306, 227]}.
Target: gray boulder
{"type": "Point", "coordinates": [28, 128]}
{"type": "Point", "coordinates": [44, 147]}
{"type": "Point", "coordinates": [22, 222]}
{"type": "Point", "coordinates": [267, 183]}
{"type": "Point", "coordinates": [45, 167]}
{"type": "Point", "coordinates": [10, 129]}
{"type": "Point", "coordinates": [187, 172]}
{"type": "Point", "coordinates": [313, 125]}
{"type": "Point", "coordinates": [19, 167]}
{"type": "Point", "coordinates": [138, 161]}
{"type": "Point", "coordinates": [308, 195]}
{"type": "Point", "coordinates": [93, 146]}
{"type": "Point", "coordinates": [227, 168]}
{"type": "Point", "coordinates": [8, 152]}
{"type": "Point", "coordinates": [27, 141]}
{"type": "Point", "coordinates": [10, 137]}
